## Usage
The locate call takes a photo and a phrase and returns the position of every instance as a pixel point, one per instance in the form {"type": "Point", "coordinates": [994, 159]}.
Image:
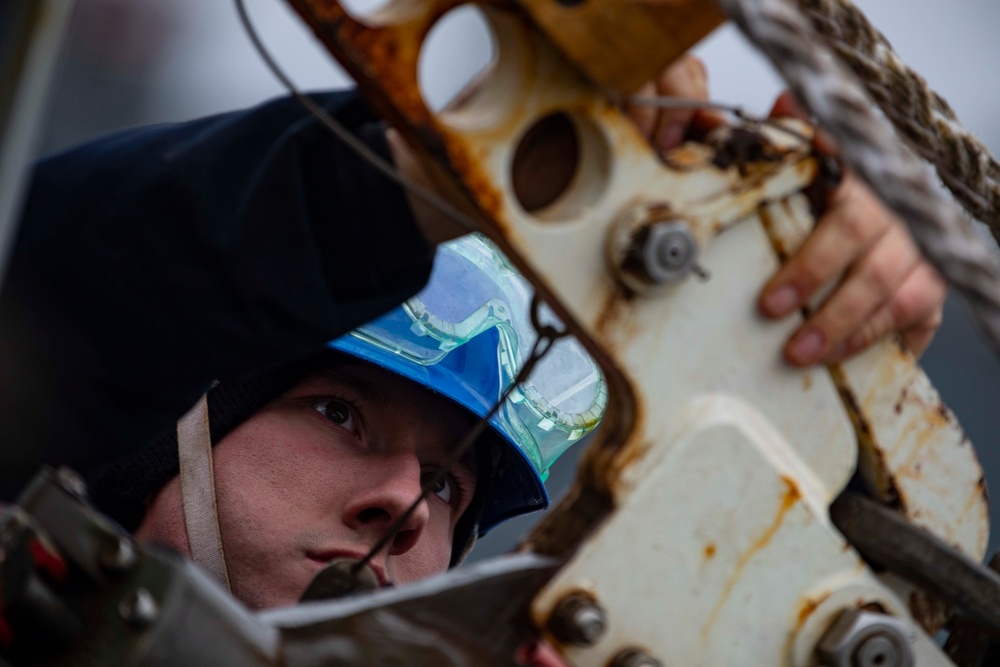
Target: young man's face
{"type": "Point", "coordinates": [321, 473]}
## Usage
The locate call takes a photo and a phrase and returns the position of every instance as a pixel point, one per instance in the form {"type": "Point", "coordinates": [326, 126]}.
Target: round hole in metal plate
{"type": "Point", "coordinates": [366, 10]}
{"type": "Point", "coordinates": [561, 167]}
{"type": "Point", "coordinates": [457, 56]}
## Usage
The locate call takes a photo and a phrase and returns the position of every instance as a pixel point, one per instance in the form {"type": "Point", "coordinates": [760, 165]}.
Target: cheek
{"type": "Point", "coordinates": [431, 555]}
{"type": "Point", "coordinates": [163, 523]}
{"type": "Point", "coordinates": [279, 473]}
{"type": "Point", "coordinates": [275, 500]}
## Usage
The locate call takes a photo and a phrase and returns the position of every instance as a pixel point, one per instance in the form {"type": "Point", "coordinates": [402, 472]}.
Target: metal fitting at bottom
{"type": "Point", "coordinates": [634, 657]}
{"type": "Point", "coordinates": [862, 638]}
{"type": "Point", "coordinates": [139, 609]}
{"type": "Point", "coordinates": [578, 620]}
{"type": "Point", "coordinates": [650, 247]}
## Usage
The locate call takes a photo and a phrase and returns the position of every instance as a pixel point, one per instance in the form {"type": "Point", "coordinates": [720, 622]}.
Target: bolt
{"type": "Point", "coordinates": [659, 252]}
{"type": "Point", "coordinates": [864, 638]}
{"type": "Point", "coordinates": [71, 482]}
{"type": "Point", "coordinates": [119, 556]}
{"type": "Point", "coordinates": [668, 252]}
{"type": "Point", "coordinates": [634, 657]}
{"type": "Point", "coordinates": [578, 620]}
{"type": "Point", "coordinates": [877, 651]}
{"type": "Point", "coordinates": [139, 608]}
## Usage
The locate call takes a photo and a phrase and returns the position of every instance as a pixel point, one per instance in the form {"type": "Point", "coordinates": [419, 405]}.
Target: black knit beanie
{"type": "Point", "coordinates": [122, 488]}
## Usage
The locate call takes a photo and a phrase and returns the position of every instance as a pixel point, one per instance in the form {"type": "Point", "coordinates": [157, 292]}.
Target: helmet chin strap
{"type": "Point", "coordinates": [201, 515]}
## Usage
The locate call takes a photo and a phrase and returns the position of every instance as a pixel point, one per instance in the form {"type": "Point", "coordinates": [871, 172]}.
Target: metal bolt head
{"type": "Point", "coordinates": [139, 608]}
{"type": "Point", "coordinates": [650, 246]}
{"type": "Point", "coordinates": [634, 657]}
{"type": "Point", "coordinates": [862, 638]}
{"type": "Point", "coordinates": [578, 620]}
{"type": "Point", "coordinates": [120, 555]}
{"type": "Point", "coordinates": [71, 482]}
{"type": "Point", "coordinates": [877, 651]}
{"type": "Point", "coordinates": [670, 251]}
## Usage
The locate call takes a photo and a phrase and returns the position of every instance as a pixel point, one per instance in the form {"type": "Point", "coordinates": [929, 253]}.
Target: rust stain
{"type": "Point", "coordinates": [619, 452]}
{"type": "Point", "coordinates": [688, 157]}
{"type": "Point", "coordinates": [928, 611]}
{"type": "Point", "coordinates": [477, 181]}
{"type": "Point", "coordinates": [979, 495]}
{"type": "Point", "coordinates": [742, 147]}
{"type": "Point", "coordinates": [805, 611]}
{"type": "Point", "coordinates": [791, 496]}
{"type": "Point", "coordinates": [898, 408]}
{"type": "Point", "coordinates": [709, 551]}
{"type": "Point", "coordinates": [777, 242]}
{"type": "Point", "coordinates": [611, 325]}
{"type": "Point", "coordinates": [807, 381]}
{"type": "Point", "coordinates": [808, 607]}
{"type": "Point", "coordinates": [872, 460]}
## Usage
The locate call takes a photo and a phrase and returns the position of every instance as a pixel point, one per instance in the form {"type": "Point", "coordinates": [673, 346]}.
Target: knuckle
{"type": "Point", "coordinates": [877, 278]}
{"type": "Point", "coordinates": [817, 262]}
{"type": "Point", "coordinates": [846, 310]}
{"type": "Point", "coordinates": [853, 227]}
{"type": "Point", "coordinates": [905, 308]}
{"type": "Point", "coordinates": [810, 275]}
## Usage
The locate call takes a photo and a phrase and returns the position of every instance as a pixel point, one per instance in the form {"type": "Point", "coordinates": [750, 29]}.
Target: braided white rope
{"type": "Point", "coordinates": [869, 145]}
{"type": "Point", "coordinates": [922, 116]}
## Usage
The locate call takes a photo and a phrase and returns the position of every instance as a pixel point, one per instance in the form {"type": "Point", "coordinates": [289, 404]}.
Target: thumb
{"type": "Point", "coordinates": [786, 106]}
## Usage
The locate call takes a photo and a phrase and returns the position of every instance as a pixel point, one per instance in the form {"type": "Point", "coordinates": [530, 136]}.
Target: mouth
{"type": "Point", "coordinates": [325, 558]}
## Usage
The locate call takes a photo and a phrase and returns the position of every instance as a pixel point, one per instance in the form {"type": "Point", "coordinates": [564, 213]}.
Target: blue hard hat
{"type": "Point", "coordinates": [465, 336]}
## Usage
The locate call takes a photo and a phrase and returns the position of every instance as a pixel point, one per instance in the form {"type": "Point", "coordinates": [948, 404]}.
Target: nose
{"type": "Point", "coordinates": [388, 489]}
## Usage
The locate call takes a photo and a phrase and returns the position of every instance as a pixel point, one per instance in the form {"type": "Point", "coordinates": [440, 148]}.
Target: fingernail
{"type": "Point", "coordinates": [807, 346]}
{"type": "Point", "coordinates": [782, 300]}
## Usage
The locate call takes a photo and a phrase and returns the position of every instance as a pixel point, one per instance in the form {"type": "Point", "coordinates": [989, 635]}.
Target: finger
{"type": "Point", "coordinates": [915, 311]}
{"type": "Point", "coordinates": [854, 221]}
{"type": "Point", "coordinates": [687, 78]}
{"type": "Point", "coordinates": [870, 284]}
{"type": "Point", "coordinates": [787, 106]}
{"type": "Point", "coordinates": [538, 654]}
{"type": "Point", "coordinates": [644, 115]}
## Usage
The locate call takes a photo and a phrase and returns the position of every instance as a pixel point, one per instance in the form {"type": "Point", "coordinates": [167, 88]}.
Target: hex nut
{"type": "Point", "coordinates": [862, 638]}
{"type": "Point", "coordinates": [578, 620]}
{"type": "Point", "coordinates": [139, 609]}
{"type": "Point", "coordinates": [120, 555]}
{"type": "Point", "coordinates": [71, 482]}
{"type": "Point", "coordinates": [649, 247]}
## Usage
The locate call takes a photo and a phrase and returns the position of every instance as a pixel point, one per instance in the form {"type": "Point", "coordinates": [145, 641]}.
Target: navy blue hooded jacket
{"type": "Point", "coordinates": [153, 261]}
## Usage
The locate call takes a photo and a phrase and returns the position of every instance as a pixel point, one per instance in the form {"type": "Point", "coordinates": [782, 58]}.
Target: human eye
{"type": "Point", "coordinates": [443, 486]}
{"type": "Point", "coordinates": [338, 411]}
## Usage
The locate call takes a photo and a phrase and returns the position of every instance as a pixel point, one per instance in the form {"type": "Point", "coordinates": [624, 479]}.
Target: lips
{"type": "Point", "coordinates": [325, 558]}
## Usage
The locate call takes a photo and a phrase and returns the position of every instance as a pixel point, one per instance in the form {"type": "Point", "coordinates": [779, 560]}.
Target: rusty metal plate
{"type": "Point", "coordinates": [703, 500]}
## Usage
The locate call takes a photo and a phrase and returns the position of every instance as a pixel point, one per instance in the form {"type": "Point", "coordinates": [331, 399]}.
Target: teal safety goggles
{"type": "Point", "coordinates": [466, 336]}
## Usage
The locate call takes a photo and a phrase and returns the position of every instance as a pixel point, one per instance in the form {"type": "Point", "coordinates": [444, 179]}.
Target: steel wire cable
{"type": "Point", "coordinates": [869, 144]}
